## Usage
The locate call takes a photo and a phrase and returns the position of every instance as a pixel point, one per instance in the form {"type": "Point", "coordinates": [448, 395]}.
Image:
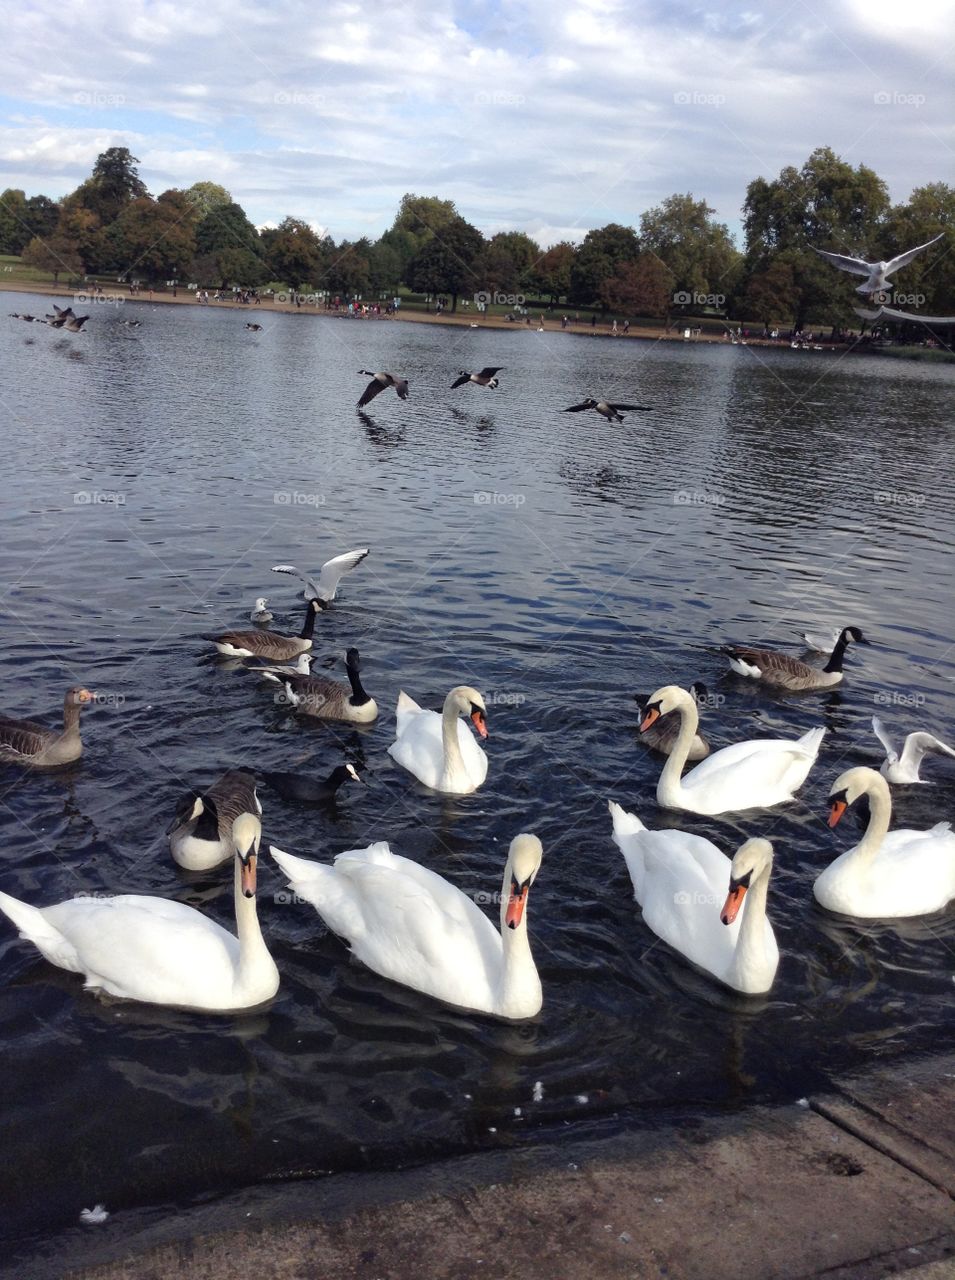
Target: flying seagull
{"type": "Point", "coordinates": [876, 273]}
{"type": "Point", "coordinates": [329, 576]}
{"type": "Point", "coordinates": [379, 382]}
{"type": "Point", "coordinates": [607, 410]}
{"type": "Point", "coordinates": [486, 378]}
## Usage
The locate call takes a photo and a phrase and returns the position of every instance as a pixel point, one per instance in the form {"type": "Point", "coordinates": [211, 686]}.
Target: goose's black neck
{"type": "Point", "coordinates": [309, 626]}
{"type": "Point", "coordinates": [207, 824]}
{"type": "Point", "coordinates": [838, 653]}
{"type": "Point", "coordinates": [358, 695]}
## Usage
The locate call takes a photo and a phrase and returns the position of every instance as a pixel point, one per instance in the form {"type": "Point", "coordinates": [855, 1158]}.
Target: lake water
{"type": "Point", "coordinates": [558, 563]}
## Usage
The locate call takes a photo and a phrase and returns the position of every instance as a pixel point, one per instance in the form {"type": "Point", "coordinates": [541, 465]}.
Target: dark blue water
{"type": "Point", "coordinates": [556, 562]}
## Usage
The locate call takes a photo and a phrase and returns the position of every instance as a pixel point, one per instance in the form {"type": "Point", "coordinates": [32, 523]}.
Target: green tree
{"type": "Point", "coordinates": [384, 268]}
{"type": "Point", "coordinates": [417, 220]}
{"type": "Point", "coordinates": [207, 196]}
{"type": "Point", "coordinates": [113, 184]}
{"type": "Point", "coordinates": [348, 269]}
{"type": "Point", "coordinates": [508, 261]}
{"type": "Point", "coordinates": [549, 277]}
{"type": "Point", "coordinates": [827, 204]}
{"type": "Point", "coordinates": [42, 215]}
{"type": "Point", "coordinates": [928, 212]}
{"type": "Point", "coordinates": [294, 253]}
{"type": "Point", "coordinates": [449, 262]}
{"type": "Point", "coordinates": [154, 239]}
{"type": "Point", "coordinates": [15, 230]}
{"type": "Point", "coordinates": [54, 253]}
{"type": "Point", "coordinates": [597, 259]}
{"type": "Point", "coordinates": [698, 251]}
{"type": "Point", "coordinates": [770, 295]}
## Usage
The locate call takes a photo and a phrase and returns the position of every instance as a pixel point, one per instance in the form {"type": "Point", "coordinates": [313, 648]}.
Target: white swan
{"type": "Point", "coordinates": [888, 874]}
{"type": "Point", "coordinates": [157, 951]}
{"type": "Point", "coordinates": [755, 774]}
{"type": "Point", "coordinates": [905, 767]}
{"type": "Point", "coordinates": [438, 749]}
{"type": "Point", "coordinates": [680, 880]}
{"type": "Point", "coordinates": [410, 925]}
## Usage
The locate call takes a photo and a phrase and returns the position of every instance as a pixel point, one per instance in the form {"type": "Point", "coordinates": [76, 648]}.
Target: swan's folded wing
{"type": "Point", "coordinates": [405, 711]}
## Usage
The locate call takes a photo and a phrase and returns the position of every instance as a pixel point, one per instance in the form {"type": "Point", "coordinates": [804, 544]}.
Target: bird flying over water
{"type": "Point", "coordinates": [329, 577]}
{"type": "Point", "coordinates": [379, 382]}
{"type": "Point", "coordinates": [486, 378]}
{"type": "Point", "coordinates": [876, 273]}
{"type": "Point", "coordinates": [607, 410]}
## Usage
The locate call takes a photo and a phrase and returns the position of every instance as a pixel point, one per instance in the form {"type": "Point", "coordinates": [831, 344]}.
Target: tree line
{"type": "Point", "coordinates": [678, 261]}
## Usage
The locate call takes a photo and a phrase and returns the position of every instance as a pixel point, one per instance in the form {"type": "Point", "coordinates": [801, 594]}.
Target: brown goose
{"type": "Point", "coordinates": [784, 672]}
{"type": "Point", "coordinates": [327, 699]}
{"type": "Point", "coordinates": [662, 734]}
{"type": "Point", "coordinates": [200, 834]}
{"type": "Point", "coordinates": [266, 644]}
{"type": "Point", "coordinates": [609, 411]}
{"type": "Point", "coordinates": [486, 378]}
{"type": "Point", "coordinates": [379, 382]}
{"type": "Point", "coordinates": [23, 742]}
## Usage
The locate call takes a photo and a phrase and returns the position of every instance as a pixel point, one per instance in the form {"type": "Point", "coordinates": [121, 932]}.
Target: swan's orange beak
{"type": "Point", "coordinates": [836, 809]}
{"type": "Point", "coordinates": [515, 905]}
{"type": "Point", "coordinates": [248, 876]}
{"type": "Point", "coordinates": [734, 901]}
{"type": "Point", "coordinates": [651, 717]}
{"type": "Point", "coordinates": [479, 722]}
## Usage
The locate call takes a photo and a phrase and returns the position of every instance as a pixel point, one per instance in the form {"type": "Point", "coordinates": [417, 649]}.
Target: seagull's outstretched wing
{"type": "Point", "coordinates": [919, 744]}
{"type": "Point", "coordinates": [855, 265]}
{"type": "Point", "coordinates": [311, 587]}
{"type": "Point", "coordinates": [894, 314]}
{"type": "Point", "coordinates": [369, 393]}
{"type": "Point", "coordinates": [332, 571]}
{"type": "Point", "coordinates": [880, 731]}
{"type": "Point", "coordinates": [907, 257]}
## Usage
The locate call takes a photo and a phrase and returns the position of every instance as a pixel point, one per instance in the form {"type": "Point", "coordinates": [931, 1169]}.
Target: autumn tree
{"type": "Point", "coordinates": [55, 253]}
{"type": "Point", "coordinates": [641, 288]}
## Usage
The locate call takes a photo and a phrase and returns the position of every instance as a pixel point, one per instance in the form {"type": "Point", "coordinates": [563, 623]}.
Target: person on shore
{"type": "Point", "coordinates": [626, 326]}
{"type": "Point", "coordinates": [593, 320]}
{"type": "Point", "coordinates": [613, 329]}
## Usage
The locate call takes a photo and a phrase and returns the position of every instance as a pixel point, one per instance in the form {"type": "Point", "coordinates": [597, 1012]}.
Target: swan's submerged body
{"type": "Point", "coordinates": [680, 880]}
{"type": "Point", "coordinates": [409, 924]}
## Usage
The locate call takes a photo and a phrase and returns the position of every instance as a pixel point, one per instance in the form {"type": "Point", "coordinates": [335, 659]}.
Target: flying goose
{"type": "Point", "coordinates": [379, 381]}
{"type": "Point", "coordinates": [254, 327]}
{"type": "Point", "coordinates": [486, 378]}
{"type": "Point", "coordinates": [327, 699]}
{"type": "Point", "coordinates": [876, 273]}
{"type": "Point", "coordinates": [663, 733]}
{"type": "Point", "coordinates": [24, 742]}
{"type": "Point", "coordinates": [260, 612]}
{"type": "Point", "coordinates": [784, 672]}
{"type": "Point", "coordinates": [266, 644]}
{"type": "Point", "coordinates": [905, 767]}
{"type": "Point", "coordinates": [607, 410]}
{"type": "Point", "coordinates": [16, 315]}
{"type": "Point", "coordinates": [60, 316]}
{"type": "Point", "coordinates": [305, 790]}
{"type": "Point", "coordinates": [200, 834]}
{"type": "Point", "coordinates": [329, 576]}
{"type": "Point", "coordinates": [160, 951]}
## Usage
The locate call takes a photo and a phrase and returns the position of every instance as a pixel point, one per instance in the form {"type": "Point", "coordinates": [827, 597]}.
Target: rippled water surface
{"type": "Point", "coordinates": [556, 562]}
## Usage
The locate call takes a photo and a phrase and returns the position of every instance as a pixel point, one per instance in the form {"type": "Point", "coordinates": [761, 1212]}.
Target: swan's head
{"type": "Point", "coordinates": [853, 633]}
{"type": "Point", "coordinates": [79, 697]}
{"type": "Point", "coordinates": [524, 860]}
{"type": "Point", "coordinates": [753, 859]}
{"type": "Point", "coordinates": [468, 702]}
{"type": "Point", "coordinates": [849, 786]}
{"type": "Point", "coordinates": [658, 704]}
{"type": "Point", "coordinates": [246, 835]}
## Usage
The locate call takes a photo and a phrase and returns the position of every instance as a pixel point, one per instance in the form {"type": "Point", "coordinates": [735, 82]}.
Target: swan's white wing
{"type": "Point", "coordinates": [880, 731]}
{"type": "Point", "coordinates": [904, 258]}
{"type": "Point", "coordinates": [755, 773]}
{"type": "Point", "coordinates": [856, 265]}
{"type": "Point", "coordinates": [332, 571]}
{"type": "Point", "coordinates": [311, 588]}
{"type": "Point", "coordinates": [405, 712]}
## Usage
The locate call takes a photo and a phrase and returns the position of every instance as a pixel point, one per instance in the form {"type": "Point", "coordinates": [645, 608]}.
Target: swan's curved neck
{"type": "Point", "coordinates": [253, 953]}
{"type": "Point", "coordinates": [751, 940]}
{"type": "Point", "coordinates": [453, 759]}
{"type": "Point", "coordinates": [520, 982]}
{"type": "Point", "coordinates": [669, 787]}
{"type": "Point", "coordinates": [880, 815]}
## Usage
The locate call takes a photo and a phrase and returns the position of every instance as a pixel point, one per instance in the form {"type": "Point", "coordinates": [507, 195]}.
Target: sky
{"type": "Point", "coordinates": [549, 118]}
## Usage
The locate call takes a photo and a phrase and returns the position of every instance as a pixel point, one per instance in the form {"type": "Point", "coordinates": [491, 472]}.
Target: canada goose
{"type": "Point", "coordinates": [607, 410]}
{"type": "Point", "coordinates": [905, 767]}
{"type": "Point", "coordinates": [131, 324]}
{"type": "Point", "coordinates": [200, 834]}
{"type": "Point", "coordinates": [756, 774]}
{"type": "Point", "coordinates": [327, 699]}
{"type": "Point", "coordinates": [379, 381]}
{"type": "Point", "coordinates": [75, 323]}
{"type": "Point", "coordinates": [888, 874]}
{"type": "Point", "coordinates": [24, 742]}
{"type": "Point", "coordinates": [486, 378]}
{"type": "Point", "coordinates": [254, 327]}
{"type": "Point", "coordinates": [60, 316]}
{"type": "Point", "coordinates": [260, 612]}
{"type": "Point", "coordinates": [412, 926]}
{"type": "Point", "coordinates": [15, 315]}
{"type": "Point", "coordinates": [662, 735]}
{"type": "Point", "coordinates": [784, 672]}
{"type": "Point", "coordinates": [331, 573]}
{"type": "Point", "coordinates": [305, 790]}
{"type": "Point", "coordinates": [876, 273]}
{"type": "Point", "coordinates": [159, 951]}
{"type": "Point", "coordinates": [266, 644]}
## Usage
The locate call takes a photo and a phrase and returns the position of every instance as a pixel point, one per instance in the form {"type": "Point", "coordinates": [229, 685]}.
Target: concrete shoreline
{"type": "Point", "coordinates": [854, 1183]}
